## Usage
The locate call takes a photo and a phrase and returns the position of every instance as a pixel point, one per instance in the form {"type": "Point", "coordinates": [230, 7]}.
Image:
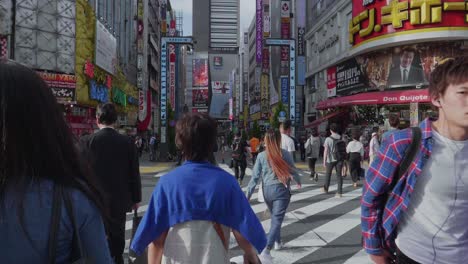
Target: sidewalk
{"type": "Point", "coordinates": [154, 167]}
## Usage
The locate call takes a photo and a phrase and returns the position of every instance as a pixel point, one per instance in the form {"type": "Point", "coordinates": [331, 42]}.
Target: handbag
{"type": "Point", "coordinates": [133, 258]}
{"type": "Point", "coordinates": [77, 256]}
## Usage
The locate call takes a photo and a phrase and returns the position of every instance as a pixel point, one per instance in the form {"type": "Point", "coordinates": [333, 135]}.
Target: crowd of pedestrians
{"type": "Point", "coordinates": [64, 200]}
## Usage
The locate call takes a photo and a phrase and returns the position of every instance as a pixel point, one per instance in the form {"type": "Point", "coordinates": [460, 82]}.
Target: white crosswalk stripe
{"type": "Point", "coordinates": [312, 242]}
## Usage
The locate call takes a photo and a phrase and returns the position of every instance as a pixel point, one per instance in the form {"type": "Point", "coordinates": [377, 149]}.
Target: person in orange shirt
{"type": "Point", "coordinates": [254, 145]}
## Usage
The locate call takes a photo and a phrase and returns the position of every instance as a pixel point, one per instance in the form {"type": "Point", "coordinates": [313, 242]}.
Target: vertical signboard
{"type": "Point", "coordinates": [259, 29]}
{"type": "Point", "coordinates": [331, 81]}
{"type": "Point", "coordinates": [163, 104]}
{"type": "Point", "coordinates": [172, 73]}
{"type": "Point", "coordinates": [292, 79]}
{"type": "Point", "coordinates": [285, 34]}
{"type": "Point", "coordinates": [414, 114]}
{"type": "Point", "coordinates": [284, 90]}
{"type": "Point", "coordinates": [265, 101]}
{"type": "Point", "coordinates": [301, 30]}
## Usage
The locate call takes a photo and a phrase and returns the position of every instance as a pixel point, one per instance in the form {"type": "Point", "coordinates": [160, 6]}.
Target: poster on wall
{"type": "Point", "coordinates": [331, 81]}
{"type": "Point", "coordinates": [200, 97]}
{"type": "Point", "coordinates": [349, 78]}
{"type": "Point", "coordinates": [63, 86]}
{"type": "Point", "coordinates": [221, 87]}
{"type": "Point", "coordinates": [200, 72]}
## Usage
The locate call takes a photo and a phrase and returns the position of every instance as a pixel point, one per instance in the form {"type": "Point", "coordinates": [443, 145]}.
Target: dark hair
{"type": "Point", "coordinates": [238, 134]}
{"type": "Point", "coordinates": [393, 120]}
{"type": "Point", "coordinates": [315, 133]}
{"type": "Point", "coordinates": [45, 149]}
{"type": "Point", "coordinates": [334, 127]}
{"type": "Point", "coordinates": [356, 134]}
{"type": "Point", "coordinates": [196, 136]}
{"type": "Point", "coordinates": [106, 114]}
{"type": "Point", "coordinates": [408, 49]}
{"type": "Point", "coordinates": [449, 72]}
{"type": "Point", "coordinates": [286, 124]}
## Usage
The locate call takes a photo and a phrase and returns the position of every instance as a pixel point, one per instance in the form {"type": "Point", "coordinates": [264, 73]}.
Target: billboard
{"type": "Point", "coordinates": [373, 21]}
{"type": "Point", "coordinates": [106, 49]}
{"type": "Point", "coordinates": [218, 61]}
{"type": "Point", "coordinates": [259, 31]}
{"type": "Point", "coordinates": [221, 93]}
{"type": "Point", "coordinates": [63, 86]}
{"type": "Point", "coordinates": [331, 81]}
{"type": "Point", "coordinates": [200, 97]}
{"type": "Point", "coordinates": [172, 75]}
{"type": "Point", "coordinates": [200, 72]}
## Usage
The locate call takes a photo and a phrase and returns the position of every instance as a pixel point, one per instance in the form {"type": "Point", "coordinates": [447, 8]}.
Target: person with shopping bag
{"type": "Point", "coordinates": [275, 167]}
{"type": "Point", "coordinates": [194, 207]}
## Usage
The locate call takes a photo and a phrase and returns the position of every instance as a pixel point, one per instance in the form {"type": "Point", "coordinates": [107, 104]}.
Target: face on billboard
{"type": "Point", "coordinates": [406, 58]}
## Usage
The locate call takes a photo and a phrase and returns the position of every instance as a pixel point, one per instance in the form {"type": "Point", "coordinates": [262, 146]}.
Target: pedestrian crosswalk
{"type": "Point", "coordinates": [317, 228]}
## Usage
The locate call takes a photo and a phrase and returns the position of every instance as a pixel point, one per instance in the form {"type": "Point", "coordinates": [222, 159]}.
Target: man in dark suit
{"type": "Point", "coordinates": [114, 160]}
{"type": "Point", "coordinates": [406, 73]}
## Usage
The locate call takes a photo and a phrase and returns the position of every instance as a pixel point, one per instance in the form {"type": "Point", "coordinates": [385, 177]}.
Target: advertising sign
{"type": "Point", "coordinates": [292, 80]}
{"type": "Point", "coordinates": [220, 87]}
{"type": "Point", "coordinates": [62, 85]}
{"type": "Point", "coordinates": [200, 97]}
{"type": "Point", "coordinates": [331, 81]}
{"type": "Point", "coordinates": [106, 49]}
{"type": "Point", "coordinates": [221, 93]}
{"type": "Point", "coordinates": [284, 90]}
{"type": "Point", "coordinates": [349, 78]}
{"type": "Point", "coordinates": [265, 101]}
{"type": "Point", "coordinates": [266, 18]}
{"type": "Point", "coordinates": [218, 61]}
{"type": "Point", "coordinates": [376, 20]}
{"type": "Point", "coordinates": [285, 9]}
{"type": "Point", "coordinates": [141, 105]}
{"type": "Point", "coordinates": [200, 72]}
{"type": "Point", "coordinates": [259, 28]}
{"type": "Point", "coordinates": [172, 75]}
{"type": "Point", "coordinates": [266, 60]}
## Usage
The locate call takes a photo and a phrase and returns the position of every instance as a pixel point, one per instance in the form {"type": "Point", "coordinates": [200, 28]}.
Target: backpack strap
{"type": "Point", "coordinates": [409, 156]}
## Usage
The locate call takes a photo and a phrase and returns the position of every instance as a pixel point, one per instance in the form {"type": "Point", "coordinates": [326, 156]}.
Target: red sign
{"type": "Point", "coordinates": [55, 80]}
{"type": "Point", "coordinates": [372, 19]}
{"type": "Point", "coordinates": [331, 81]}
{"type": "Point", "coordinates": [386, 97]}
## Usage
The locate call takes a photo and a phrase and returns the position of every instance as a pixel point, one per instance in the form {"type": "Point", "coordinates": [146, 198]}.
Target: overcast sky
{"type": "Point", "coordinates": [247, 11]}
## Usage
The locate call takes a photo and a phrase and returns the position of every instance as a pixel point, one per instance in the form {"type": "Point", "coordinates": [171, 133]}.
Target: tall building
{"type": "Point", "coordinates": [216, 33]}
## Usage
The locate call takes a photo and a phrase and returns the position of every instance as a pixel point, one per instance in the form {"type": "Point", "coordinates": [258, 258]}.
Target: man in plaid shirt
{"type": "Point", "coordinates": [426, 215]}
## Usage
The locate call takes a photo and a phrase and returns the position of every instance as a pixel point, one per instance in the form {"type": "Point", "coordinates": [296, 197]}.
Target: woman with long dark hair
{"type": "Point", "coordinates": [46, 199]}
{"type": "Point", "coordinates": [275, 167]}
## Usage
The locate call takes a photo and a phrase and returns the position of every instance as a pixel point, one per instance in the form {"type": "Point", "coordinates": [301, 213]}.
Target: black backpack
{"type": "Point", "coordinates": [237, 149]}
{"type": "Point", "coordinates": [339, 149]}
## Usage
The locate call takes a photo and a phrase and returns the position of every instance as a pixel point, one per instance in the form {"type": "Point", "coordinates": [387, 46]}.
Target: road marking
{"type": "Point", "coordinates": [359, 258]}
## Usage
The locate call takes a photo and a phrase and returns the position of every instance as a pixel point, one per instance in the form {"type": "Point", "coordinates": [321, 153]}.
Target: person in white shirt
{"type": "Point", "coordinates": [329, 161]}
{"type": "Point", "coordinates": [374, 146]}
{"type": "Point", "coordinates": [287, 143]}
{"type": "Point", "coordinates": [312, 147]}
{"type": "Point", "coordinates": [355, 151]}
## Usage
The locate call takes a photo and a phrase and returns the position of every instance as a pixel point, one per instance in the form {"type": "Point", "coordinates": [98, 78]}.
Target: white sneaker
{"type": "Point", "coordinates": [266, 258]}
{"type": "Point", "coordinates": [278, 246]}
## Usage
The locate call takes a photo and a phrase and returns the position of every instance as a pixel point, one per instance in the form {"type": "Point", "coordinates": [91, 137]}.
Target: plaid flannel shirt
{"type": "Point", "coordinates": [379, 219]}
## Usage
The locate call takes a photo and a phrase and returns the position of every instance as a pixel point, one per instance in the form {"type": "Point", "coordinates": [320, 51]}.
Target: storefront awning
{"type": "Point", "coordinates": [373, 98]}
{"type": "Point", "coordinates": [323, 119]}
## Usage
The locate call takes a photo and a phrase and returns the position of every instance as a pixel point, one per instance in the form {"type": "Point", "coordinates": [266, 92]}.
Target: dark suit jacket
{"type": "Point", "coordinates": [114, 160]}
{"type": "Point", "coordinates": [416, 76]}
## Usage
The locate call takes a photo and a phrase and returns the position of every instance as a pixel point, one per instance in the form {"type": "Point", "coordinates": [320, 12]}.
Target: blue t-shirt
{"type": "Point", "coordinates": [31, 244]}
{"type": "Point", "coordinates": [198, 191]}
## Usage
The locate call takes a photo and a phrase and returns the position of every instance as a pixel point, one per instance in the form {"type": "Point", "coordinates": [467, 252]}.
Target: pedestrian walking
{"type": "Point", "coordinates": [47, 199]}
{"type": "Point", "coordinates": [414, 205]}
{"type": "Point", "coordinates": [275, 168]}
{"type": "Point", "coordinates": [287, 143]}
{"type": "Point", "coordinates": [333, 157]}
{"type": "Point", "coordinates": [345, 169]}
{"type": "Point", "coordinates": [239, 157]}
{"type": "Point", "coordinates": [312, 147]}
{"type": "Point", "coordinates": [114, 160]}
{"type": "Point", "coordinates": [355, 151]}
{"type": "Point", "coordinates": [394, 122]}
{"type": "Point", "coordinates": [374, 146]}
{"type": "Point", "coordinates": [194, 207]}
{"type": "Point", "coordinates": [254, 147]}
{"type": "Point", "coordinates": [139, 145]}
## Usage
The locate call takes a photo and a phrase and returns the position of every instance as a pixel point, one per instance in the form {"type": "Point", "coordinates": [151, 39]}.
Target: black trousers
{"type": "Point", "coordinates": [338, 165]}
{"type": "Point", "coordinates": [239, 168]}
{"type": "Point", "coordinates": [312, 162]}
{"type": "Point", "coordinates": [116, 236]}
{"type": "Point", "coordinates": [355, 165]}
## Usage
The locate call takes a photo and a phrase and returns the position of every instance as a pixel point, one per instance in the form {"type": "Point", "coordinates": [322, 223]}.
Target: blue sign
{"type": "Point", "coordinates": [284, 90]}
{"type": "Point", "coordinates": [98, 92]}
{"type": "Point", "coordinates": [282, 114]}
{"type": "Point", "coordinates": [277, 42]}
{"type": "Point", "coordinates": [301, 69]}
{"type": "Point", "coordinates": [132, 100]}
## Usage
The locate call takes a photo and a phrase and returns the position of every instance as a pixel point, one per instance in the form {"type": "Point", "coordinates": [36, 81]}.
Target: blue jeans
{"type": "Point", "coordinates": [277, 199]}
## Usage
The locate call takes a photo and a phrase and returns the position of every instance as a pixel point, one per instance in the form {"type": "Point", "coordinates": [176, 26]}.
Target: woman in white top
{"type": "Point", "coordinates": [355, 151]}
